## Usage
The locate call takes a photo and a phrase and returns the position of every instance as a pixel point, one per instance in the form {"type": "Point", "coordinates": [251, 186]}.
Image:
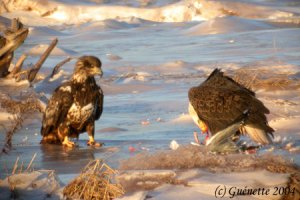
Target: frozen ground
{"type": "Point", "coordinates": [152, 53]}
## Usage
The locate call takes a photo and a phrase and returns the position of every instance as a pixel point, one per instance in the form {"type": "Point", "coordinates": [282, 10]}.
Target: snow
{"type": "Point", "coordinates": [228, 25]}
{"type": "Point", "coordinates": [152, 52]}
{"type": "Point", "coordinates": [203, 184]}
{"type": "Point", "coordinates": [41, 48]}
{"type": "Point", "coordinates": [174, 145]}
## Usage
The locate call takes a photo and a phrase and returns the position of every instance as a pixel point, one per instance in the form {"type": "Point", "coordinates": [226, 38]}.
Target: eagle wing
{"type": "Point", "coordinates": [100, 99]}
{"type": "Point", "coordinates": [217, 108]}
{"type": "Point", "coordinates": [220, 100]}
{"type": "Point", "coordinates": [57, 109]}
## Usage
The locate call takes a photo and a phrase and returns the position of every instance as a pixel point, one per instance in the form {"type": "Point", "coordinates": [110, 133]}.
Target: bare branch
{"type": "Point", "coordinates": [58, 66]}
{"type": "Point", "coordinates": [18, 66]}
{"type": "Point", "coordinates": [33, 72]}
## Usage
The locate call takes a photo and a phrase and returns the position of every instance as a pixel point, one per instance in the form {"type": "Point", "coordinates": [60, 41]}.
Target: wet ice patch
{"type": "Point", "coordinates": [111, 130]}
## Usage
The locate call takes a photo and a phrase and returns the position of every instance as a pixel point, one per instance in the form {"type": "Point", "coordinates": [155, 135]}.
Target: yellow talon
{"type": "Point", "coordinates": [92, 142]}
{"type": "Point", "coordinates": [68, 143]}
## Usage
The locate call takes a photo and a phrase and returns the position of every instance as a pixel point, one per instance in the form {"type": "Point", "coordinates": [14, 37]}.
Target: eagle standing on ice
{"type": "Point", "coordinates": [75, 105]}
{"type": "Point", "coordinates": [219, 101]}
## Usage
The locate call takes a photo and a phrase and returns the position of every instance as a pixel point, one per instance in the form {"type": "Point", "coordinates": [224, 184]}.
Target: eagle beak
{"type": "Point", "coordinates": [101, 73]}
{"type": "Point", "coordinates": [97, 71]}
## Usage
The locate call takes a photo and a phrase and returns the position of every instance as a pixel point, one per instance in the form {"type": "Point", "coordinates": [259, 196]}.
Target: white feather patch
{"type": "Point", "coordinates": [79, 77]}
{"type": "Point", "coordinates": [66, 89]}
{"type": "Point", "coordinates": [193, 114]}
{"type": "Point", "coordinates": [80, 114]}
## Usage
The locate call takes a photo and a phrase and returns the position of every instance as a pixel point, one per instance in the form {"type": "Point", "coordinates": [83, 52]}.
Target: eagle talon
{"type": "Point", "coordinates": [94, 144]}
{"type": "Point", "coordinates": [69, 144]}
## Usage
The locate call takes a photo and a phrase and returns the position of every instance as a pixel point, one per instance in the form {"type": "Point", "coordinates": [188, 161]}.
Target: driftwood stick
{"type": "Point", "coordinates": [19, 65]}
{"type": "Point", "coordinates": [58, 66]}
{"type": "Point", "coordinates": [13, 38]}
{"type": "Point", "coordinates": [22, 75]}
{"type": "Point", "coordinates": [33, 72]}
{"type": "Point", "coordinates": [16, 25]}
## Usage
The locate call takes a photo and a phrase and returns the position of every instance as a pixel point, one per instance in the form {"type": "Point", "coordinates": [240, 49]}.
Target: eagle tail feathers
{"type": "Point", "coordinates": [258, 135]}
{"type": "Point", "coordinates": [50, 139]}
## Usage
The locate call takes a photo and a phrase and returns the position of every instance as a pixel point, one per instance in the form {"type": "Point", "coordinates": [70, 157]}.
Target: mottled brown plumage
{"type": "Point", "coordinates": [75, 105]}
{"type": "Point", "coordinates": [220, 100]}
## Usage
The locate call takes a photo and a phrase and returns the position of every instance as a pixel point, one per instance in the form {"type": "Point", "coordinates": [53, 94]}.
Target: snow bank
{"type": "Point", "coordinates": [228, 25]}
{"type": "Point", "coordinates": [58, 12]}
{"type": "Point", "coordinates": [204, 184]}
{"type": "Point", "coordinates": [195, 183]}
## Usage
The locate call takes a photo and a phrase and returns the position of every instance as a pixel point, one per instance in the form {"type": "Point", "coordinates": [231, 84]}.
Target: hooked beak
{"type": "Point", "coordinates": [98, 71]}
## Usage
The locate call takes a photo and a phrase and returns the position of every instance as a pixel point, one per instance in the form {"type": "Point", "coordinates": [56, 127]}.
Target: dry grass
{"type": "Point", "coordinates": [294, 183]}
{"type": "Point", "coordinates": [20, 169]}
{"type": "Point", "coordinates": [26, 102]}
{"type": "Point", "coordinates": [94, 182]}
{"type": "Point", "coordinates": [264, 79]}
{"type": "Point", "coordinates": [188, 157]}
{"type": "Point", "coordinates": [20, 109]}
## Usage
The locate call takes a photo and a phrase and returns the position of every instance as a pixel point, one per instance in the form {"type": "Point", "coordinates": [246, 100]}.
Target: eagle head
{"type": "Point", "coordinates": [87, 66]}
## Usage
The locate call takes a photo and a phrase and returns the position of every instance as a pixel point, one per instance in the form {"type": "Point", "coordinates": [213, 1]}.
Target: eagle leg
{"type": "Point", "coordinates": [91, 131]}
{"type": "Point", "coordinates": [196, 137]}
{"type": "Point", "coordinates": [63, 134]}
{"type": "Point", "coordinates": [68, 143]}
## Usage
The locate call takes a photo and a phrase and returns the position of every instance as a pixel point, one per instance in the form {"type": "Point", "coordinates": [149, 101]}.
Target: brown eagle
{"type": "Point", "coordinates": [75, 105]}
{"type": "Point", "coordinates": [219, 101]}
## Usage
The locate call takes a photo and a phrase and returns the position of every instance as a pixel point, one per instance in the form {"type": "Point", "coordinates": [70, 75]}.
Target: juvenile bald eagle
{"type": "Point", "coordinates": [75, 105]}
{"type": "Point", "coordinates": [219, 100]}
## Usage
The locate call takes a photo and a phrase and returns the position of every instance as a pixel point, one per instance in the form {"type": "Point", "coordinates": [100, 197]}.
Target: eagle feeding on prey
{"type": "Point", "coordinates": [219, 101]}
{"type": "Point", "coordinates": [75, 105]}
